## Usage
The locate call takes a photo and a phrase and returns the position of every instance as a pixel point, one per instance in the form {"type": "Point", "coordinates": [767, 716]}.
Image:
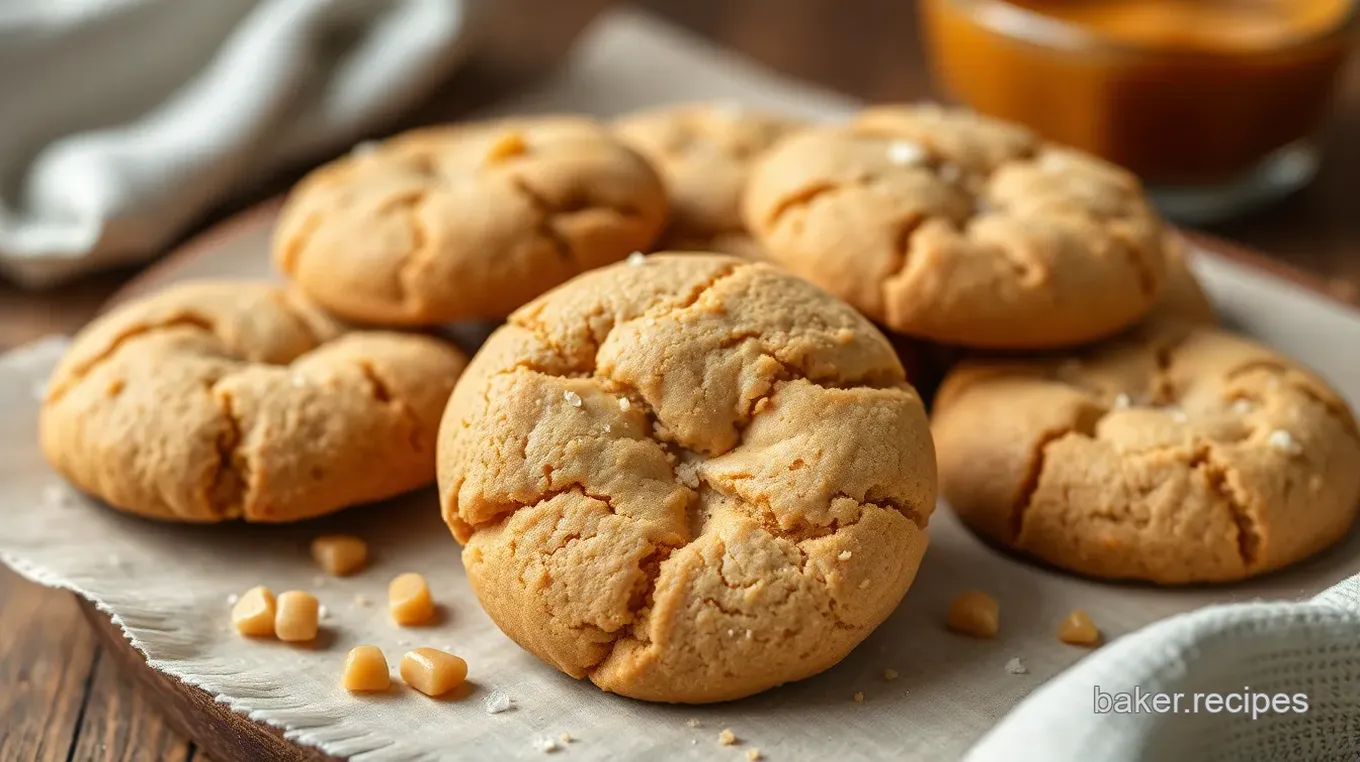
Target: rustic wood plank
{"type": "Point", "coordinates": [47, 657]}
{"type": "Point", "coordinates": [122, 722]}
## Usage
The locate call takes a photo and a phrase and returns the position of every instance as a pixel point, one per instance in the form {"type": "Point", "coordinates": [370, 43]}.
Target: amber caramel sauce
{"type": "Point", "coordinates": [1180, 91]}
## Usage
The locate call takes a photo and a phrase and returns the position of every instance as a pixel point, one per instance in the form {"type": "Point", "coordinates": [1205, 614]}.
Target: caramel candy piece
{"type": "Point", "coordinates": [253, 613]}
{"type": "Point", "coordinates": [366, 670]}
{"type": "Point", "coordinates": [975, 613]}
{"type": "Point", "coordinates": [408, 598]}
{"type": "Point", "coordinates": [297, 616]}
{"type": "Point", "coordinates": [432, 672]}
{"type": "Point", "coordinates": [1078, 630]}
{"type": "Point", "coordinates": [340, 555]}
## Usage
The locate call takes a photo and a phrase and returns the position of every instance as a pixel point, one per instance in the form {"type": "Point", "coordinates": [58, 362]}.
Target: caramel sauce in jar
{"type": "Point", "coordinates": [1182, 92]}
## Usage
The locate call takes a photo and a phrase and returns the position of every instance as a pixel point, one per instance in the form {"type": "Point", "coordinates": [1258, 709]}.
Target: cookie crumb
{"type": "Point", "coordinates": [361, 600]}
{"type": "Point", "coordinates": [688, 474]}
{"type": "Point", "coordinates": [1285, 442]}
{"type": "Point", "coordinates": [753, 755]}
{"type": "Point", "coordinates": [637, 259]}
{"type": "Point", "coordinates": [624, 404]}
{"type": "Point", "coordinates": [572, 398]}
{"type": "Point", "coordinates": [844, 555]}
{"type": "Point", "coordinates": [566, 738]}
{"type": "Point", "coordinates": [1122, 401]}
{"type": "Point", "coordinates": [905, 153]}
{"type": "Point", "coordinates": [890, 674]}
{"type": "Point", "coordinates": [546, 745]}
{"type": "Point", "coordinates": [1078, 630]}
{"type": "Point", "coordinates": [727, 737]}
{"type": "Point", "coordinates": [858, 697]}
{"type": "Point", "coordinates": [974, 613]}
{"type": "Point", "coordinates": [1243, 406]}
{"type": "Point", "coordinates": [1014, 666]}
{"type": "Point", "coordinates": [498, 701]}
{"type": "Point", "coordinates": [692, 723]}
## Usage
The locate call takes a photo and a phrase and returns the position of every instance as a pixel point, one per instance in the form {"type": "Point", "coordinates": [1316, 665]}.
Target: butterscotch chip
{"type": "Point", "coordinates": [340, 554]}
{"type": "Point", "coordinates": [1078, 630]}
{"type": "Point", "coordinates": [468, 221]}
{"type": "Point", "coordinates": [366, 670]}
{"type": "Point", "coordinates": [975, 613]}
{"type": "Point", "coordinates": [432, 672]}
{"type": "Point", "coordinates": [297, 616]}
{"type": "Point", "coordinates": [409, 600]}
{"type": "Point", "coordinates": [858, 698]}
{"type": "Point", "coordinates": [704, 152]}
{"type": "Point", "coordinates": [662, 547]}
{"type": "Point", "coordinates": [240, 400]}
{"type": "Point", "coordinates": [253, 612]}
{"type": "Point", "coordinates": [960, 229]}
{"type": "Point", "coordinates": [1179, 453]}
{"type": "Point", "coordinates": [726, 737]}
{"type": "Point", "coordinates": [753, 754]}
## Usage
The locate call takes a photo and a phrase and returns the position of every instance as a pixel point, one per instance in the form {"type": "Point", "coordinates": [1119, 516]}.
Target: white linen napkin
{"type": "Point", "coordinates": [122, 121]}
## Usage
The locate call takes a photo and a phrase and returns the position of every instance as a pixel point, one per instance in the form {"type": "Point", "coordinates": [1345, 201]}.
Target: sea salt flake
{"type": "Point", "coordinates": [498, 701]}
{"type": "Point", "coordinates": [624, 404]}
{"type": "Point", "coordinates": [637, 259]}
{"type": "Point", "coordinates": [905, 153]}
{"type": "Point", "coordinates": [1014, 667]}
{"type": "Point", "coordinates": [232, 598]}
{"type": "Point", "coordinates": [572, 398]}
{"type": "Point", "coordinates": [727, 737]}
{"type": "Point", "coordinates": [1285, 442]}
{"type": "Point", "coordinates": [546, 745]}
{"type": "Point", "coordinates": [692, 723]}
{"type": "Point", "coordinates": [322, 612]}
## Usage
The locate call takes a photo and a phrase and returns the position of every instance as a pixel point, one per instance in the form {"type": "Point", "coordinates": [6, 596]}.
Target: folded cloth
{"type": "Point", "coordinates": [123, 120]}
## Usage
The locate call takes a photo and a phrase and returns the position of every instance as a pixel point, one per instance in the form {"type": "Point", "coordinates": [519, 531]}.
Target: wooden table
{"type": "Point", "coordinates": [61, 696]}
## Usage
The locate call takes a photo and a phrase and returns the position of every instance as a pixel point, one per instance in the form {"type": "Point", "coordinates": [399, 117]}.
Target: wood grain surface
{"type": "Point", "coordinates": [63, 695]}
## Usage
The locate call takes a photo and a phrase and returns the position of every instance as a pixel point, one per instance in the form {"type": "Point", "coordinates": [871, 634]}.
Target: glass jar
{"type": "Point", "coordinates": [1216, 104]}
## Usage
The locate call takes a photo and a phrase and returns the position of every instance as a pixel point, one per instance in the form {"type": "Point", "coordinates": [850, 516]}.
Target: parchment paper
{"type": "Point", "coordinates": [168, 586]}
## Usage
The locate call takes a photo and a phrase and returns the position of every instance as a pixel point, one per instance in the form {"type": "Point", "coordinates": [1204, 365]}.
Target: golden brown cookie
{"type": "Point", "coordinates": [959, 229]}
{"type": "Point", "coordinates": [688, 479]}
{"type": "Point", "coordinates": [1185, 454]}
{"type": "Point", "coordinates": [1183, 297]}
{"type": "Point", "coordinates": [704, 152]}
{"type": "Point", "coordinates": [223, 400]}
{"type": "Point", "coordinates": [466, 222]}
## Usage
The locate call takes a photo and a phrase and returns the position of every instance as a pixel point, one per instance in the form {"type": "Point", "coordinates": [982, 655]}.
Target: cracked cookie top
{"type": "Point", "coordinates": [689, 478]}
{"type": "Point", "coordinates": [1180, 454]}
{"type": "Point", "coordinates": [223, 400]}
{"type": "Point", "coordinates": [704, 153]}
{"type": "Point", "coordinates": [466, 222]}
{"type": "Point", "coordinates": [959, 229]}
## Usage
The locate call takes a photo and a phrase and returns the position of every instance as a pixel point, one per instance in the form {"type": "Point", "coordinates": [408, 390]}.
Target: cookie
{"type": "Point", "coordinates": [959, 229]}
{"type": "Point", "coordinates": [689, 479]}
{"type": "Point", "coordinates": [224, 400]}
{"type": "Point", "coordinates": [1183, 297]}
{"type": "Point", "coordinates": [466, 222]}
{"type": "Point", "coordinates": [704, 153]}
{"type": "Point", "coordinates": [1185, 454]}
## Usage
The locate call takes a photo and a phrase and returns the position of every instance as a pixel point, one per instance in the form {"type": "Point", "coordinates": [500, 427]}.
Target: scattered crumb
{"type": "Point", "coordinates": [1285, 442]}
{"type": "Point", "coordinates": [1078, 630]}
{"type": "Point", "coordinates": [566, 738]}
{"type": "Point", "coordinates": [858, 697]}
{"type": "Point", "coordinates": [974, 613]}
{"type": "Point", "coordinates": [753, 754]}
{"type": "Point", "coordinates": [727, 737]}
{"type": "Point", "coordinates": [1014, 666]}
{"type": "Point", "coordinates": [546, 745]}
{"type": "Point", "coordinates": [572, 398]}
{"type": "Point", "coordinates": [688, 474]}
{"type": "Point", "coordinates": [624, 404]}
{"type": "Point", "coordinates": [637, 259]}
{"type": "Point", "coordinates": [232, 598]}
{"type": "Point", "coordinates": [844, 555]}
{"type": "Point", "coordinates": [692, 723]}
{"type": "Point", "coordinates": [498, 701]}
{"type": "Point", "coordinates": [361, 600]}
{"type": "Point", "coordinates": [1122, 401]}
{"type": "Point", "coordinates": [1243, 407]}
{"type": "Point", "coordinates": [905, 153]}
{"type": "Point", "coordinates": [890, 674]}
